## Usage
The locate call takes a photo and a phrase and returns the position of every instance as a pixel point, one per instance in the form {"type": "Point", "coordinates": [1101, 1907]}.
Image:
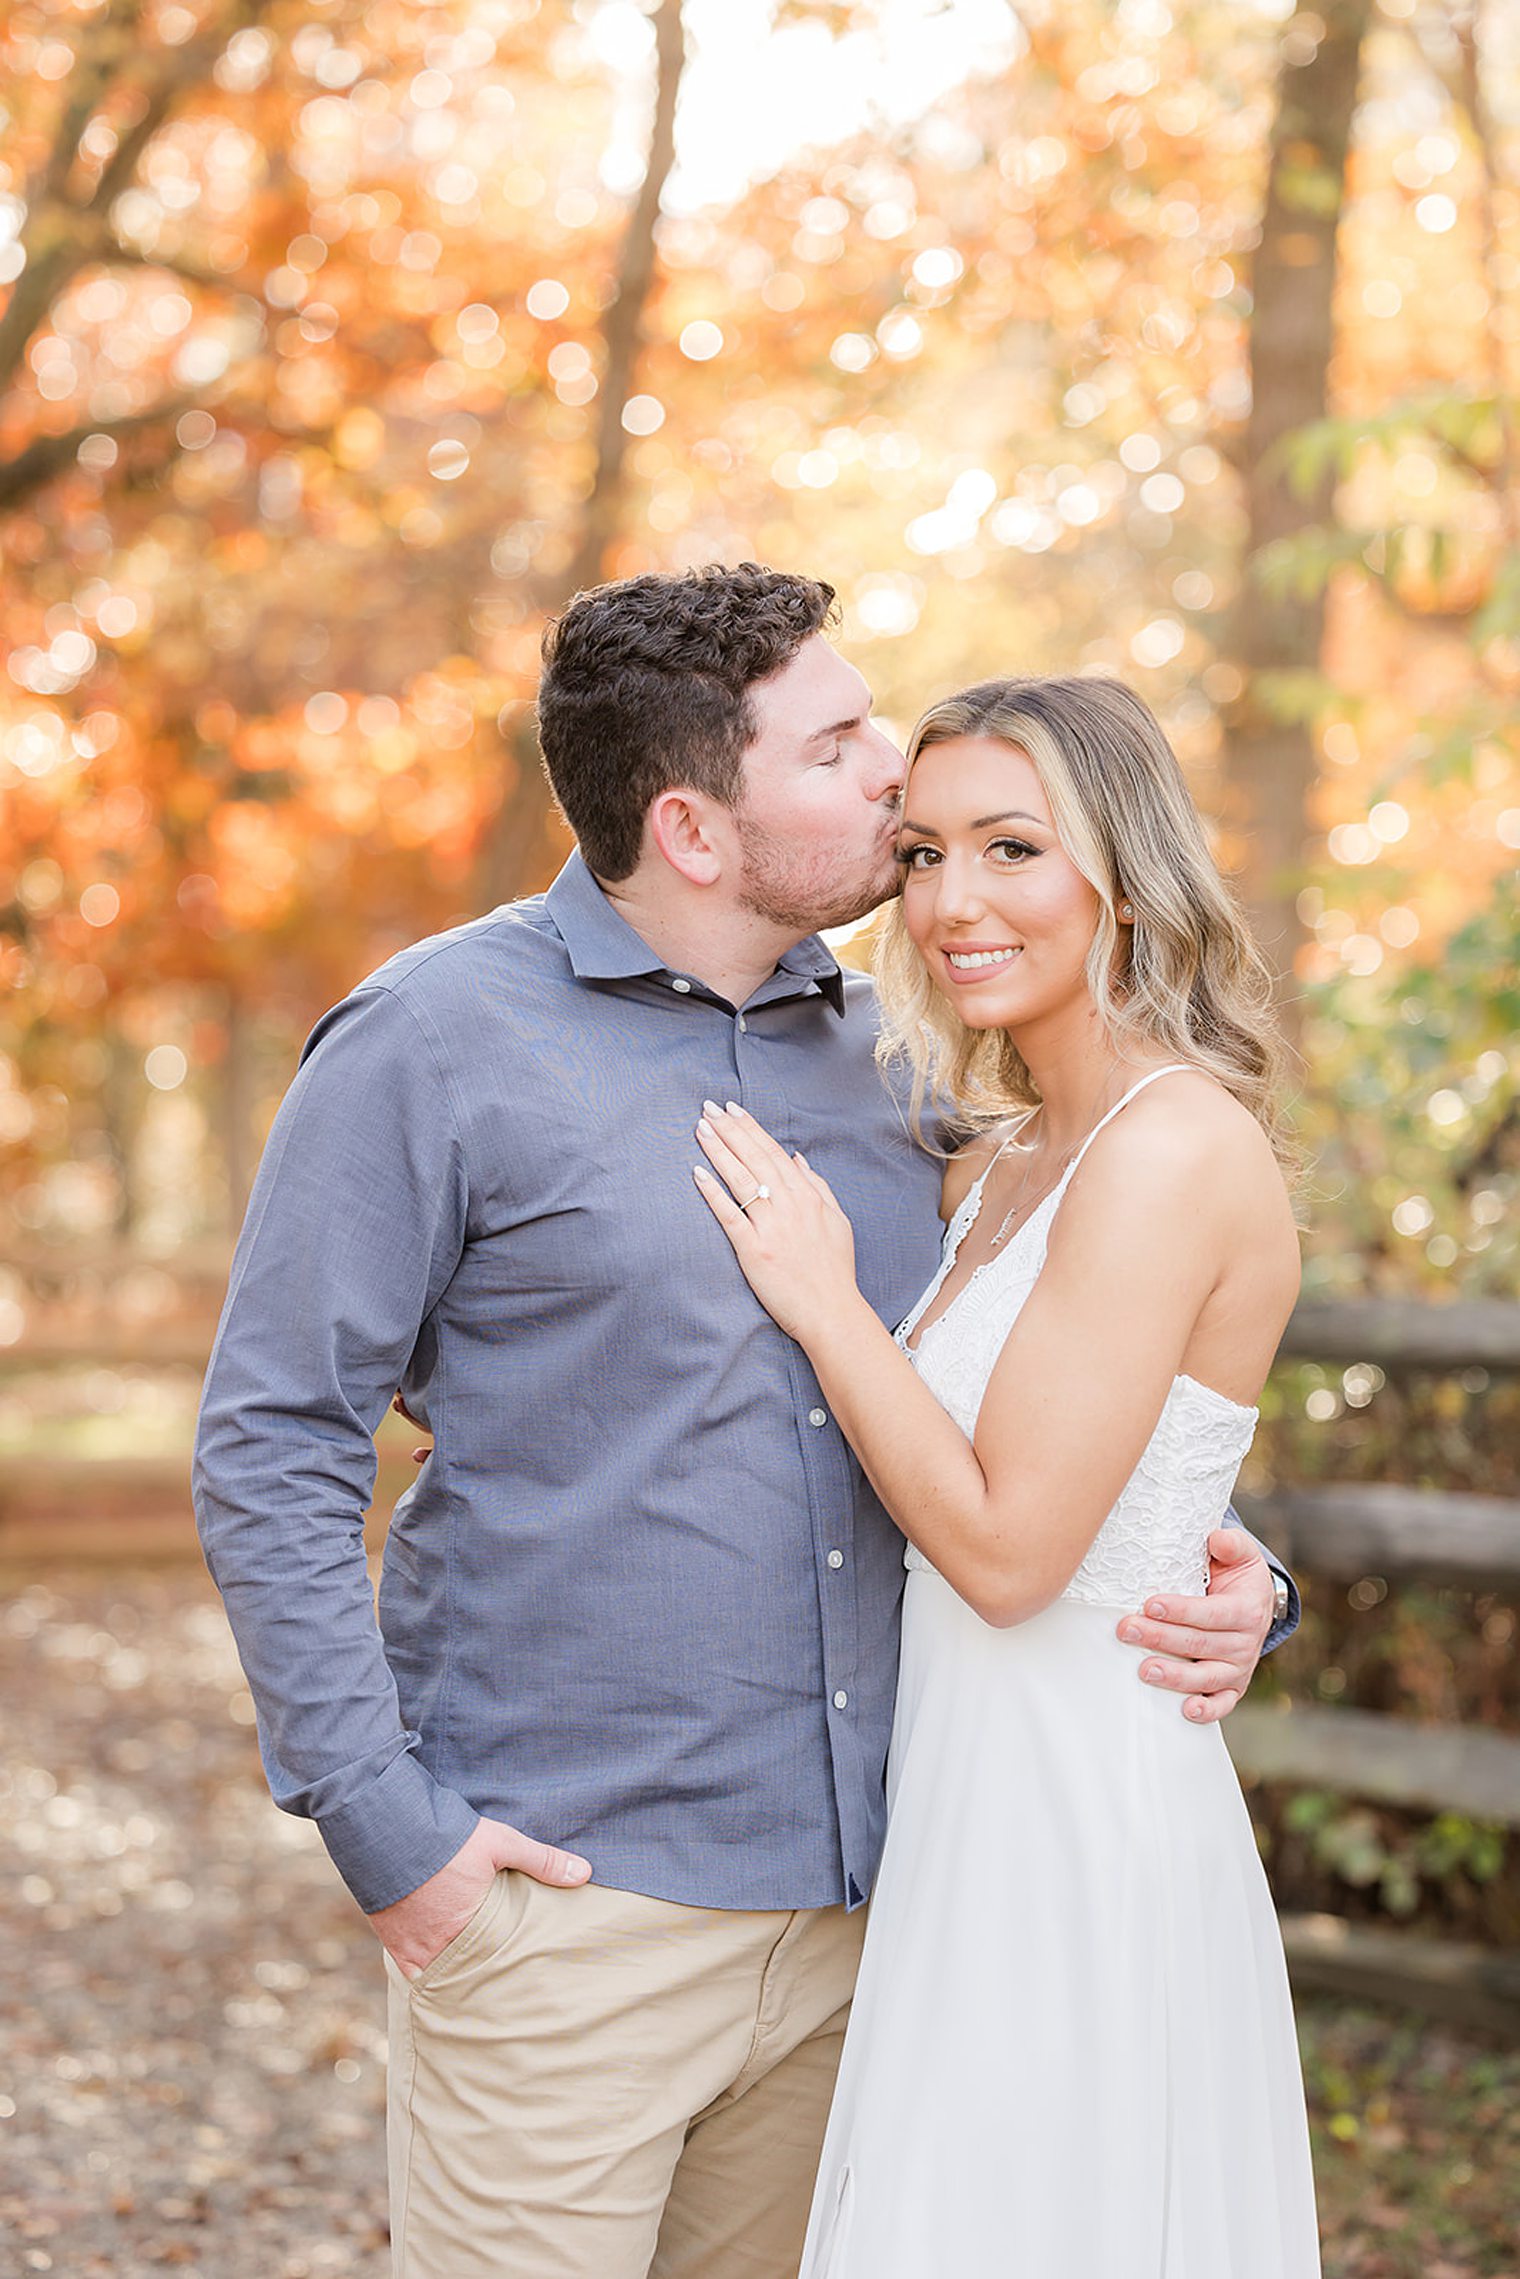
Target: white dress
{"type": "Point", "coordinates": [1071, 2053]}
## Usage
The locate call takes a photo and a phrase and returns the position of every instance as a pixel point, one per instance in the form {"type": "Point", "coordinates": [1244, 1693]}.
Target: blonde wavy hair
{"type": "Point", "coordinates": [1186, 975]}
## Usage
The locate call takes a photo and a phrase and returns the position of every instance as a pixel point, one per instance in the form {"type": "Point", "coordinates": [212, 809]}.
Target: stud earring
{"type": "Point", "coordinates": [1126, 910]}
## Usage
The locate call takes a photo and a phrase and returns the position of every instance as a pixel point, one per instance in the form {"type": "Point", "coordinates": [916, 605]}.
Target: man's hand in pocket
{"type": "Point", "coordinates": [415, 1931]}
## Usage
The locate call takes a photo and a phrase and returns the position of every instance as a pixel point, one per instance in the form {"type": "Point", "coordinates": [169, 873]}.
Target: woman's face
{"type": "Point", "coordinates": [1001, 916]}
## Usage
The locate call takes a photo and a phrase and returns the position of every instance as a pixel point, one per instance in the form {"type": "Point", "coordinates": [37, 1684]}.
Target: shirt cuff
{"type": "Point", "coordinates": [1281, 1631]}
{"type": "Point", "coordinates": [402, 1830]}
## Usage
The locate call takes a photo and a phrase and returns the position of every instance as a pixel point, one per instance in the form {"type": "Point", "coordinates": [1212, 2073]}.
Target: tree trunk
{"type": "Point", "coordinates": [1270, 763]}
{"type": "Point", "coordinates": [623, 327]}
{"type": "Point", "coordinates": [519, 840]}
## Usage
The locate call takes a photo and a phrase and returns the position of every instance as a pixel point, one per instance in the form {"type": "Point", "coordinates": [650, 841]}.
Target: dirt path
{"type": "Point", "coordinates": [192, 2062]}
{"type": "Point", "coordinates": [191, 2011]}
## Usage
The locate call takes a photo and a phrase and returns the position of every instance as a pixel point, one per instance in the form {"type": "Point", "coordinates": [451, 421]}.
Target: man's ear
{"type": "Point", "coordinates": [685, 827]}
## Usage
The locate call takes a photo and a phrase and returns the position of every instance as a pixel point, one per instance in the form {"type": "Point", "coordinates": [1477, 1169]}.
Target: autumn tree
{"type": "Point", "coordinates": [411, 326]}
{"type": "Point", "coordinates": [330, 423]}
{"type": "Point", "coordinates": [1278, 631]}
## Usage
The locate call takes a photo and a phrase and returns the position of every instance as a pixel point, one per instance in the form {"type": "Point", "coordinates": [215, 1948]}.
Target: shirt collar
{"type": "Point", "coordinates": [602, 946]}
{"type": "Point", "coordinates": [811, 961]}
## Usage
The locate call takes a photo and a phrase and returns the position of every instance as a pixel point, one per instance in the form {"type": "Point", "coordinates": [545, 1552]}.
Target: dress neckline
{"type": "Point", "coordinates": [969, 1216]}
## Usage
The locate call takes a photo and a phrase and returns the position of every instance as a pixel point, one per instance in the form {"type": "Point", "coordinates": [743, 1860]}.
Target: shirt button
{"type": "Point", "coordinates": [817, 1417]}
{"type": "Point", "coordinates": [682, 984]}
{"type": "Point", "coordinates": [841, 1701]}
{"type": "Point", "coordinates": [836, 1558]}
{"type": "Point", "coordinates": [743, 1026]}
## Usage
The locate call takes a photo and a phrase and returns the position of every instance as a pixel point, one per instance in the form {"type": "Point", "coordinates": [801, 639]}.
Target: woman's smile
{"type": "Point", "coordinates": [974, 961]}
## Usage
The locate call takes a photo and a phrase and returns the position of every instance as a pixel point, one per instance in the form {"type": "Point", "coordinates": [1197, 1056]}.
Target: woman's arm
{"type": "Point", "coordinates": [1077, 1390]}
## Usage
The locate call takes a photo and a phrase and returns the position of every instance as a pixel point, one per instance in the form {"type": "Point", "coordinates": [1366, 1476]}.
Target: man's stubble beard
{"type": "Point", "coordinates": [769, 886]}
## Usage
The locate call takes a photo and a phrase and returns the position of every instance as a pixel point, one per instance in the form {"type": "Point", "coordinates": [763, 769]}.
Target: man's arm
{"type": "Point", "coordinates": [356, 1225]}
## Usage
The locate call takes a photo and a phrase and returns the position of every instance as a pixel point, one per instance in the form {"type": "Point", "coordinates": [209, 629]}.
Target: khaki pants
{"type": "Point", "coordinates": [594, 2085]}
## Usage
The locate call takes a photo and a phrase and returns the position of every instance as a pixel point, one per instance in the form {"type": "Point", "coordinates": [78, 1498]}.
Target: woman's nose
{"type": "Point", "coordinates": [956, 893]}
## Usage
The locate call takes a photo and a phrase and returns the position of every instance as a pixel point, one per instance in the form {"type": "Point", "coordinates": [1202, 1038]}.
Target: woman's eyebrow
{"type": "Point", "coordinates": [981, 823]}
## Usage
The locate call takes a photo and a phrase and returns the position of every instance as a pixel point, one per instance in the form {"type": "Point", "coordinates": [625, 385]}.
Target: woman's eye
{"type": "Point", "coordinates": [1012, 850]}
{"type": "Point", "coordinates": [909, 857]}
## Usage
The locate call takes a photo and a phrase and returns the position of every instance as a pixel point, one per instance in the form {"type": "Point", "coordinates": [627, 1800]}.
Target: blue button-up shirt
{"type": "Point", "coordinates": [640, 1600]}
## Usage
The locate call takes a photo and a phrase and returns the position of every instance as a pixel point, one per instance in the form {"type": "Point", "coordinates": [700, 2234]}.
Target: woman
{"type": "Point", "coordinates": [1071, 2054]}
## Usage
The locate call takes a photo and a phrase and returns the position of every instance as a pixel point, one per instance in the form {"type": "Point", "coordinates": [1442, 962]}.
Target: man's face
{"type": "Point", "coordinates": [817, 816]}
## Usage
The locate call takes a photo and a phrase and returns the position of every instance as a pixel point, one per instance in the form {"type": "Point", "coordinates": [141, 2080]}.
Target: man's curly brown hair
{"type": "Point", "coordinates": [646, 686]}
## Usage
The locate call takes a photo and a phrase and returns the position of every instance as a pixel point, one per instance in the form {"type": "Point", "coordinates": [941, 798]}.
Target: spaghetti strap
{"type": "Point", "coordinates": [1172, 1068]}
{"type": "Point", "coordinates": [969, 1208]}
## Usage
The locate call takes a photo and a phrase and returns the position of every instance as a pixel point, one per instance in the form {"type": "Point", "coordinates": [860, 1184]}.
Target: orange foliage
{"type": "Point", "coordinates": [328, 372]}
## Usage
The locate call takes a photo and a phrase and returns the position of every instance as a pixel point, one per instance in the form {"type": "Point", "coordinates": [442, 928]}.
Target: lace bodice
{"type": "Point", "coordinates": [1156, 1536]}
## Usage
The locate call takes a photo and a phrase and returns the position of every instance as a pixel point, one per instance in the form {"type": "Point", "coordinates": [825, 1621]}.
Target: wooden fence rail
{"type": "Point", "coordinates": [1394, 1333]}
{"type": "Point", "coordinates": [1406, 1333]}
{"type": "Point", "coordinates": [1340, 1532]}
{"type": "Point", "coordinates": [1410, 1534]}
{"type": "Point", "coordinates": [1388, 1760]}
{"type": "Point", "coordinates": [1428, 1535]}
{"type": "Point", "coordinates": [1466, 1985]}
{"type": "Point", "coordinates": [176, 1344]}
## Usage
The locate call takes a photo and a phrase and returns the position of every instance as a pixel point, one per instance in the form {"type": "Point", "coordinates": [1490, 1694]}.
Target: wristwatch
{"type": "Point", "coordinates": [1281, 1599]}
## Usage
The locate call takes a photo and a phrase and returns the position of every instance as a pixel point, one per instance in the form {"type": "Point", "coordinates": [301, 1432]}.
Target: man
{"type": "Point", "coordinates": [639, 1610]}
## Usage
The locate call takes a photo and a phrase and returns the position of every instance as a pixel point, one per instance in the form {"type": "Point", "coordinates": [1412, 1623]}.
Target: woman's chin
{"type": "Point", "coordinates": [989, 1013]}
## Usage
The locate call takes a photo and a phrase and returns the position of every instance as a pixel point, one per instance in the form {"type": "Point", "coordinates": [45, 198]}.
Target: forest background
{"type": "Point", "coordinates": [1178, 339]}
{"type": "Point", "coordinates": [343, 341]}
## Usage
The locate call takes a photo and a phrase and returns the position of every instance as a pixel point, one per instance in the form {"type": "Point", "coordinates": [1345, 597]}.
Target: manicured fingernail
{"type": "Point", "coordinates": [734, 1108]}
{"type": "Point", "coordinates": [1131, 1634]}
{"type": "Point", "coordinates": [705, 1127]}
{"type": "Point", "coordinates": [711, 1107]}
{"type": "Point", "coordinates": [699, 1171]}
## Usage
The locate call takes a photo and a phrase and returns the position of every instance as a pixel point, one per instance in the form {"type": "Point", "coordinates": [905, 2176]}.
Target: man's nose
{"type": "Point", "coordinates": [889, 768]}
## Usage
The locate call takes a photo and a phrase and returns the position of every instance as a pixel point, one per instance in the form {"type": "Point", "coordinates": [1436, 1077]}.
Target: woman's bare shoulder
{"type": "Point", "coordinates": [1190, 1142]}
{"type": "Point", "coordinates": [1191, 1119]}
{"type": "Point", "coordinates": [1185, 1102]}
{"type": "Point", "coordinates": [1198, 1165]}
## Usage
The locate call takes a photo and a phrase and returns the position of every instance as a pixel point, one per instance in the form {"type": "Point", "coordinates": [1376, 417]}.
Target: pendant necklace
{"type": "Point", "coordinates": [1016, 1207]}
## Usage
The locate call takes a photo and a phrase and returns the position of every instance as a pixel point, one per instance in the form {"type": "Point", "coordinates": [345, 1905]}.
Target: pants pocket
{"type": "Point", "coordinates": [469, 1941]}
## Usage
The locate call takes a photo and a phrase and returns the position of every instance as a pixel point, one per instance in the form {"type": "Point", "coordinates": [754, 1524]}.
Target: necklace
{"type": "Point", "coordinates": [1017, 1207]}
